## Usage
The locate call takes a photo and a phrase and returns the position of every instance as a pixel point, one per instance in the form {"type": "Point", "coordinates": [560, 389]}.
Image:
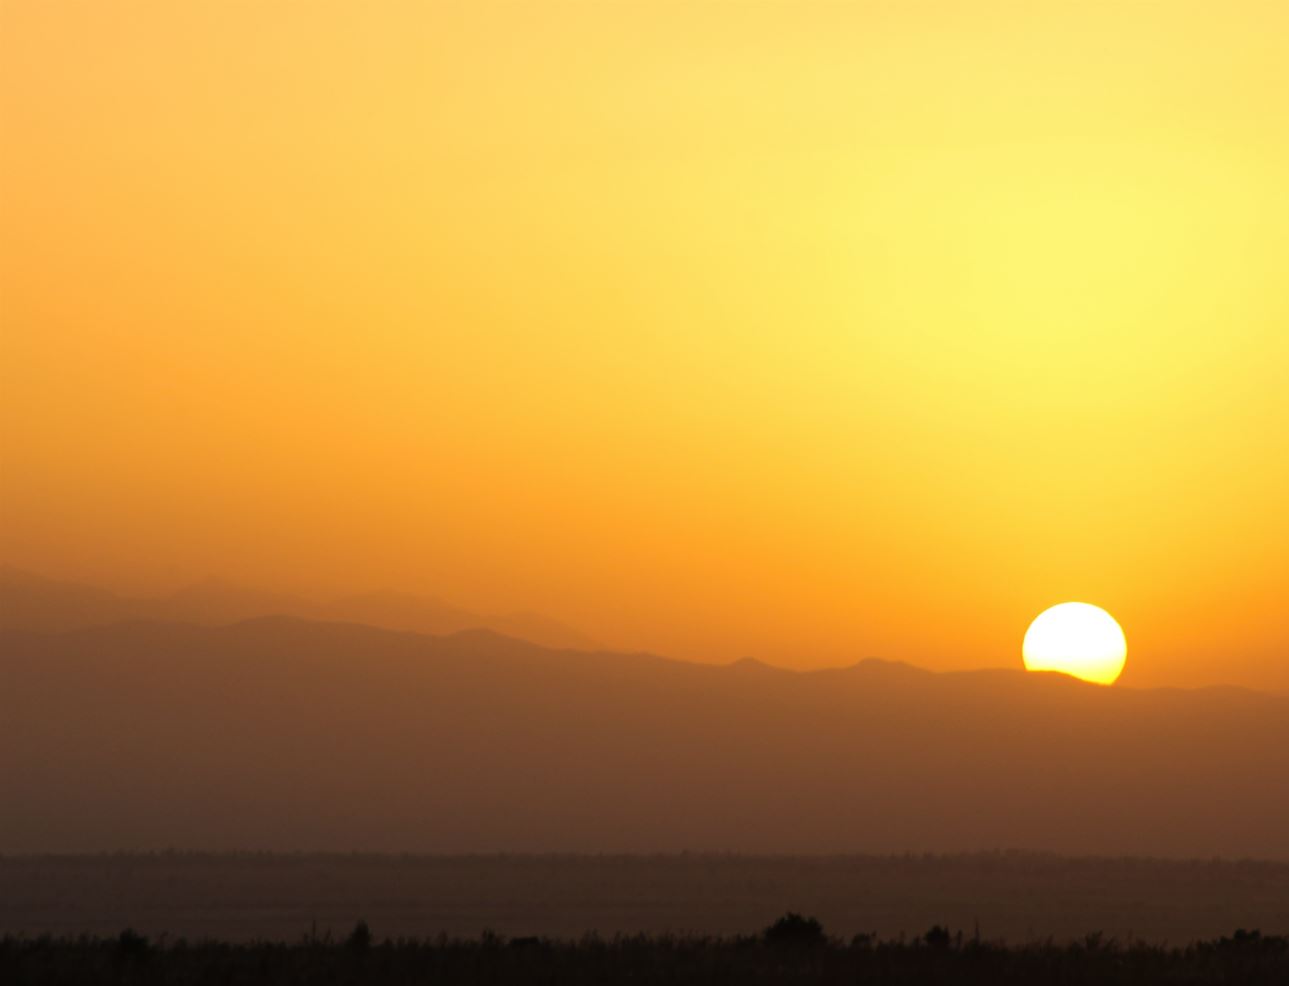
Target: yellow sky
{"type": "Point", "coordinates": [804, 331]}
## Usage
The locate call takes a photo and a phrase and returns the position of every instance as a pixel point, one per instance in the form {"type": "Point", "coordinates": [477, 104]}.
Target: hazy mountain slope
{"type": "Point", "coordinates": [212, 602]}
{"type": "Point", "coordinates": [286, 734]}
{"type": "Point", "coordinates": [400, 611]}
{"type": "Point", "coordinates": [32, 602]}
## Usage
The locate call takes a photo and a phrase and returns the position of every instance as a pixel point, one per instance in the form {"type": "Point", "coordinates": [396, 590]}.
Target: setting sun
{"type": "Point", "coordinates": [1077, 639]}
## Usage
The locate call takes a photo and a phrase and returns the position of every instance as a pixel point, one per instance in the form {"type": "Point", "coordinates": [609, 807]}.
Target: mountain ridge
{"type": "Point", "coordinates": [868, 665]}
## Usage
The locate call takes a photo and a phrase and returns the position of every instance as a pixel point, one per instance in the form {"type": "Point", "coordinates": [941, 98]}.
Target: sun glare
{"type": "Point", "coordinates": [1078, 639]}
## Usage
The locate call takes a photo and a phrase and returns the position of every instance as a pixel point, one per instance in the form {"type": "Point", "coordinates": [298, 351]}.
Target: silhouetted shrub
{"type": "Point", "coordinates": [359, 939]}
{"type": "Point", "coordinates": [1253, 941]}
{"type": "Point", "coordinates": [938, 937]}
{"type": "Point", "coordinates": [1095, 941]}
{"type": "Point", "coordinates": [793, 929]}
{"type": "Point", "coordinates": [131, 945]}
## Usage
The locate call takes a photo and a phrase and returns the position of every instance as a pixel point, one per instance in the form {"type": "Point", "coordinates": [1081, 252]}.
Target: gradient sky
{"type": "Point", "coordinates": [810, 332]}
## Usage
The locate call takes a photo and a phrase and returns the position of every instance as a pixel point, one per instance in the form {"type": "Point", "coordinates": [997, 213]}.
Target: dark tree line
{"type": "Point", "coordinates": [793, 949]}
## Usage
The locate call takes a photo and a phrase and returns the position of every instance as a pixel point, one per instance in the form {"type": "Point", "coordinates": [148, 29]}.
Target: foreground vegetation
{"type": "Point", "coordinates": [794, 949]}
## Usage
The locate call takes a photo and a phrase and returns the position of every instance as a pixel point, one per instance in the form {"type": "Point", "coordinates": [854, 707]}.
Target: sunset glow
{"type": "Point", "coordinates": [804, 331]}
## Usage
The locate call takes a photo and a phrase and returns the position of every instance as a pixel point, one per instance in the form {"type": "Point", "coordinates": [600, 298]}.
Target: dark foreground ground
{"type": "Point", "coordinates": [801, 955]}
{"type": "Point", "coordinates": [1012, 897]}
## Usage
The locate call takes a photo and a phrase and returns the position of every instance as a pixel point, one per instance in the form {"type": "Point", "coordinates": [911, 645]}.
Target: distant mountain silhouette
{"type": "Point", "coordinates": [32, 602]}
{"type": "Point", "coordinates": [399, 611]}
{"type": "Point", "coordinates": [289, 734]}
{"type": "Point", "coordinates": [216, 601]}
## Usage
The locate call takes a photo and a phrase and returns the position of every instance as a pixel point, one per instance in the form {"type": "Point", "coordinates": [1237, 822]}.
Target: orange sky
{"type": "Point", "coordinates": [804, 331]}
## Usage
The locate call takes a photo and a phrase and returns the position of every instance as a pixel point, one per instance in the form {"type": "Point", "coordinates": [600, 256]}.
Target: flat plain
{"type": "Point", "coordinates": [1012, 897]}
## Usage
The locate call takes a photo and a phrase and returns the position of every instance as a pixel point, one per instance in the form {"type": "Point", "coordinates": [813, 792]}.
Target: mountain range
{"type": "Point", "coordinates": [294, 734]}
{"type": "Point", "coordinates": [33, 602]}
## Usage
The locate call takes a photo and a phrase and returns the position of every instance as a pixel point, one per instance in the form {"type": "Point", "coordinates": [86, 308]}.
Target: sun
{"type": "Point", "coordinates": [1078, 639]}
